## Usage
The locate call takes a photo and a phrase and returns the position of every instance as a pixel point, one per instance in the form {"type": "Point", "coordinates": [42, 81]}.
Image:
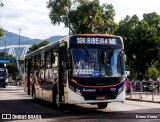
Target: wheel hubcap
{"type": "Point", "coordinates": [57, 100]}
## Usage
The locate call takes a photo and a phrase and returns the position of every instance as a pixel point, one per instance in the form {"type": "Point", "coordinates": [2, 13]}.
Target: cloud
{"type": "Point", "coordinates": [31, 16]}
{"type": "Point", "coordinates": [132, 7]}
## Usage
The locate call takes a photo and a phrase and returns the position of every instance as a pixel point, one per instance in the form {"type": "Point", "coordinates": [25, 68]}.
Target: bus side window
{"type": "Point", "coordinates": [35, 58]}
{"type": "Point", "coordinates": [32, 64]}
{"type": "Point", "coordinates": [42, 60]}
{"type": "Point", "coordinates": [48, 59]}
{"type": "Point", "coordinates": [54, 59]}
{"type": "Point", "coordinates": [26, 65]}
{"type": "Point", "coordinates": [38, 60]}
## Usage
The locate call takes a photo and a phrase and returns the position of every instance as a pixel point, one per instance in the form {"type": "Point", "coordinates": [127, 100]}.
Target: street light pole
{"type": "Point", "coordinates": [5, 47]}
{"type": "Point", "coordinates": [19, 37]}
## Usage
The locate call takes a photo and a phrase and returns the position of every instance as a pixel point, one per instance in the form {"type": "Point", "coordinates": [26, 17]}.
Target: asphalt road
{"type": "Point", "coordinates": [15, 103]}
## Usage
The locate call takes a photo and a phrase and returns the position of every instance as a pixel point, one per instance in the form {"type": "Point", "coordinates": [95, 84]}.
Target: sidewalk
{"type": "Point", "coordinates": [146, 97]}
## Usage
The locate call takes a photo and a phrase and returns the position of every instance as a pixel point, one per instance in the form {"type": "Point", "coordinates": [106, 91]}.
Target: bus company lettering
{"type": "Point", "coordinates": [96, 41]}
{"type": "Point", "coordinates": [89, 90]}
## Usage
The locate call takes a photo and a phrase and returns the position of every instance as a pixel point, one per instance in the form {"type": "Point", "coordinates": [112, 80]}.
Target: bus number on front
{"type": "Point", "coordinates": [80, 40]}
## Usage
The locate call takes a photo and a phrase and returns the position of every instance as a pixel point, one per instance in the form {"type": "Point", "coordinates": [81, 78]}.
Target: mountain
{"type": "Point", "coordinates": [13, 39]}
{"type": "Point", "coordinates": [55, 38]}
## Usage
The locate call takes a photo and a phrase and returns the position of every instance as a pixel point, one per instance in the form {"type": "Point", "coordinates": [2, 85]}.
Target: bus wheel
{"type": "Point", "coordinates": [102, 105]}
{"type": "Point", "coordinates": [57, 101]}
{"type": "Point", "coordinates": [4, 86]}
{"type": "Point", "coordinates": [33, 95]}
{"type": "Point", "coordinates": [55, 97]}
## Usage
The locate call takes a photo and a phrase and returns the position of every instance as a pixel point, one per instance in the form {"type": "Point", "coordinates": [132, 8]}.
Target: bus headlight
{"type": "Point", "coordinates": [78, 91]}
{"type": "Point", "coordinates": [121, 89]}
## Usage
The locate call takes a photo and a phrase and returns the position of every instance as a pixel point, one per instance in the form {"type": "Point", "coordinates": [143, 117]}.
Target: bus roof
{"type": "Point", "coordinates": [56, 42]}
{"type": "Point", "coordinates": [110, 35]}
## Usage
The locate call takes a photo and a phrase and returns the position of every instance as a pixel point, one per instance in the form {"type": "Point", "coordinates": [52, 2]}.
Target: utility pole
{"type": "Point", "coordinates": [5, 47]}
{"type": "Point", "coordinates": [19, 37]}
{"type": "Point", "coordinates": [18, 57]}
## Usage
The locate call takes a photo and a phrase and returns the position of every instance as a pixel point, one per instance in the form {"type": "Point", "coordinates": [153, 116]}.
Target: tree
{"type": "Point", "coordinates": [1, 30]}
{"type": "Point", "coordinates": [153, 19]}
{"type": "Point", "coordinates": [3, 54]}
{"type": "Point", "coordinates": [37, 46]}
{"type": "Point", "coordinates": [85, 17]}
{"type": "Point", "coordinates": [1, 4]}
{"type": "Point", "coordinates": [12, 70]}
{"type": "Point", "coordinates": [141, 43]}
{"type": "Point", "coordinates": [152, 73]}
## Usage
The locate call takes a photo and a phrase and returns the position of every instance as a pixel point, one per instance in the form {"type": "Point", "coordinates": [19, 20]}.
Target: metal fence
{"type": "Point", "coordinates": [144, 90]}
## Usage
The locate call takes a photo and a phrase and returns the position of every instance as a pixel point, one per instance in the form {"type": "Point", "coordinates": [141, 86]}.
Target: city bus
{"type": "Point", "coordinates": [3, 77]}
{"type": "Point", "coordinates": [78, 69]}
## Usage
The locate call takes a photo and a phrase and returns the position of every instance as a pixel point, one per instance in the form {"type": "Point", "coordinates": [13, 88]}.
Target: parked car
{"type": "Point", "coordinates": [148, 86]}
{"type": "Point", "coordinates": [3, 77]}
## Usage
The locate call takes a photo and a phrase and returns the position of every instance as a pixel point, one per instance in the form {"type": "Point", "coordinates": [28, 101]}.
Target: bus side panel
{"type": "Point", "coordinates": [25, 82]}
{"type": "Point", "coordinates": [47, 86]}
{"type": "Point", "coordinates": [39, 82]}
{"type": "Point", "coordinates": [26, 77]}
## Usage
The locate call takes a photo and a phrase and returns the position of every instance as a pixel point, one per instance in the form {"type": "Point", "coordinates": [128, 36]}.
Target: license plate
{"type": "Point", "coordinates": [100, 97]}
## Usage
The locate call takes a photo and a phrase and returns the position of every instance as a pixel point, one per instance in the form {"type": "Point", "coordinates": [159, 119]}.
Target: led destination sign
{"type": "Point", "coordinates": [95, 40]}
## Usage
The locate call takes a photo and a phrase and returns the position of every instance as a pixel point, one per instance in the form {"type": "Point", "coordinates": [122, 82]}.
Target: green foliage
{"type": "Point", "coordinates": [59, 10]}
{"type": "Point", "coordinates": [85, 17]}
{"type": "Point", "coordinates": [37, 46]}
{"type": "Point", "coordinates": [5, 54]}
{"type": "Point", "coordinates": [12, 69]}
{"type": "Point", "coordinates": [1, 30]}
{"type": "Point", "coordinates": [152, 73]}
{"type": "Point", "coordinates": [141, 39]}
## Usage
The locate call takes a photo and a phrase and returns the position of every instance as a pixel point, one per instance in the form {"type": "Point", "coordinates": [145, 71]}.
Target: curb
{"type": "Point", "coordinates": [141, 100]}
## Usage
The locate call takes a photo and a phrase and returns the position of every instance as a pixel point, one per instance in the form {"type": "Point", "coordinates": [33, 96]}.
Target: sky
{"type": "Point", "coordinates": [32, 16]}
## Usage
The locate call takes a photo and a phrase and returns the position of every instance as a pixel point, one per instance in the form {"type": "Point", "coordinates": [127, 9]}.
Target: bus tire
{"type": "Point", "coordinates": [33, 95]}
{"type": "Point", "coordinates": [4, 86]}
{"type": "Point", "coordinates": [56, 103]}
{"type": "Point", "coordinates": [102, 105]}
{"type": "Point", "coordinates": [55, 94]}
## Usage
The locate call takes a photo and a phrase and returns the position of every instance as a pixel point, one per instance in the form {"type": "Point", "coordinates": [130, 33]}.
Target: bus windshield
{"type": "Point", "coordinates": [3, 74]}
{"type": "Point", "coordinates": [97, 62]}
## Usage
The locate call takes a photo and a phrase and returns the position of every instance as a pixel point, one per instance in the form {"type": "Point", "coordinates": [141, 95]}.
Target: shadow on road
{"type": "Point", "coordinates": [46, 110]}
{"type": "Point", "coordinates": [19, 103]}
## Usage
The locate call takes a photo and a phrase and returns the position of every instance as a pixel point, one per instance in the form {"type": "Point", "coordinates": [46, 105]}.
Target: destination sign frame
{"type": "Point", "coordinates": [95, 40]}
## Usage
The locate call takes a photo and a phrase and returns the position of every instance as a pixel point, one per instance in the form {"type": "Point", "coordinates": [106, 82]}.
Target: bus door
{"type": "Point", "coordinates": [28, 68]}
{"type": "Point", "coordinates": [62, 70]}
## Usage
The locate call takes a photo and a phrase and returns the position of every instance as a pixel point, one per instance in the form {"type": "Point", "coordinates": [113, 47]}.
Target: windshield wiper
{"type": "Point", "coordinates": [103, 55]}
{"type": "Point", "coordinates": [91, 56]}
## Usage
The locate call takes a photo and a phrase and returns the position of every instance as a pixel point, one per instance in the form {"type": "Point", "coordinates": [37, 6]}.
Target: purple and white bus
{"type": "Point", "coordinates": [78, 69]}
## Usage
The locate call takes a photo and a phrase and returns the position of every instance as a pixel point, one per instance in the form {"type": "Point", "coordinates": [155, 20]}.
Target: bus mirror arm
{"type": "Point", "coordinates": [66, 55]}
{"type": "Point", "coordinates": [67, 65]}
{"type": "Point", "coordinates": [66, 59]}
